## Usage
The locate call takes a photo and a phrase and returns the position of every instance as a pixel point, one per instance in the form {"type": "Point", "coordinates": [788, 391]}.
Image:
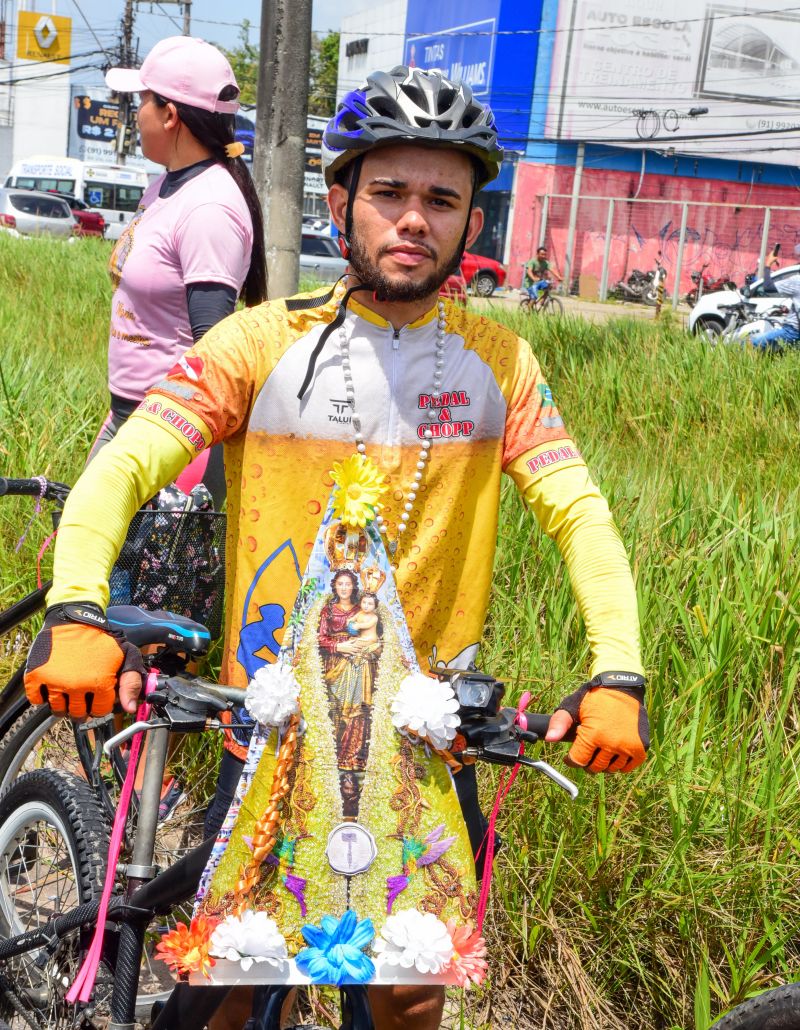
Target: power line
{"type": "Point", "coordinates": [507, 32]}
{"type": "Point", "coordinates": [168, 15]}
{"type": "Point", "coordinates": [49, 75]}
{"type": "Point", "coordinates": [80, 12]}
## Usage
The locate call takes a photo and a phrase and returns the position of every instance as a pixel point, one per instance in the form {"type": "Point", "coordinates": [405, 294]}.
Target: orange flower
{"type": "Point", "coordinates": [468, 961]}
{"type": "Point", "coordinates": [185, 949]}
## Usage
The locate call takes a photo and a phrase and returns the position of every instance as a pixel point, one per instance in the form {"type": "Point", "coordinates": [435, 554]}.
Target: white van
{"type": "Point", "coordinates": [113, 190]}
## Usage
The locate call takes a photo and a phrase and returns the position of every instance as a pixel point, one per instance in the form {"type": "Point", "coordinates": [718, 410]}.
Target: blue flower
{"type": "Point", "coordinates": [335, 955]}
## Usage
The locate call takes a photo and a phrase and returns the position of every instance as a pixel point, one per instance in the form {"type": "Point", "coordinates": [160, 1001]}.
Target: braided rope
{"type": "Point", "coordinates": [265, 831]}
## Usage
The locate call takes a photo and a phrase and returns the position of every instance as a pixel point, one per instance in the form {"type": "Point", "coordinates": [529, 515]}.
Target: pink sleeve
{"type": "Point", "coordinates": [214, 245]}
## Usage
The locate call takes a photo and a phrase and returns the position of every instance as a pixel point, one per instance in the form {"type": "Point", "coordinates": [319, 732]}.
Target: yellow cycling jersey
{"type": "Point", "coordinates": [494, 413]}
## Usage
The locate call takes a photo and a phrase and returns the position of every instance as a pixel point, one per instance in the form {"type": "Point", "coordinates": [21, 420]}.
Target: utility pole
{"type": "Point", "coordinates": [187, 17]}
{"type": "Point", "coordinates": [279, 153]}
{"type": "Point", "coordinates": [126, 60]}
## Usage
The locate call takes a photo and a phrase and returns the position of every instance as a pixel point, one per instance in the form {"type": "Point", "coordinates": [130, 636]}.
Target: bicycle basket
{"type": "Point", "coordinates": [174, 560]}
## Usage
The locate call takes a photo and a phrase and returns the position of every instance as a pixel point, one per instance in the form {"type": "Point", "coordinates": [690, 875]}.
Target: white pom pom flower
{"type": "Point", "coordinates": [272, 695]}
{"type": "Point", "coordinates": [426, 707]}
{"type": "Point", "coordinates": [415, 939]}
{"type": "Point", "coordinates": [251, 937]}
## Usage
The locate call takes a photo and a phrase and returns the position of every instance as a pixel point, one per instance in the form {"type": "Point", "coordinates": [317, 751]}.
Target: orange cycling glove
{"type": "Point", "coordinates": [76, 661]}
{"type": "Point", "coordinates": [612, 733]}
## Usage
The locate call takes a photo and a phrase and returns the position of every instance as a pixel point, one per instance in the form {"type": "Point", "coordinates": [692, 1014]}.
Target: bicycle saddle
{"type": "Point", "coordinates": [158, 627]}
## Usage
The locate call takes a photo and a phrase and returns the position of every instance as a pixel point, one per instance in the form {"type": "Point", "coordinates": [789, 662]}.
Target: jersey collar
{"type": "Point", "coordinates": [374, 319]}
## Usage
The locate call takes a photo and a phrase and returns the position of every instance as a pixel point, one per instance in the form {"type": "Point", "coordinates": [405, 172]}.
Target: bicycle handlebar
{"type": "Point", "coordinates": [537, 723]}
{"type": "Point", "coordinates": [48, 489]}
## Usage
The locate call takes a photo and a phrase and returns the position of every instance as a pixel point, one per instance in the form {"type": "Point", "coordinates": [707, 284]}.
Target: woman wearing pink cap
{"type": "Point", "coordinates": [196, 242]}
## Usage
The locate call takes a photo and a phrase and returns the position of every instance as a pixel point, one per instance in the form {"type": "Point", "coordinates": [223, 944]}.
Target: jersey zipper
{"type": "Point", "coordinates": [390, 456]}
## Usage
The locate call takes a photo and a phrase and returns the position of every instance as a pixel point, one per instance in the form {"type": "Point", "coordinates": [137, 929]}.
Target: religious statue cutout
{"type": "Point", "coordinates": [344, 857]}
{"type": "Point", "coordinates": [350, 643]}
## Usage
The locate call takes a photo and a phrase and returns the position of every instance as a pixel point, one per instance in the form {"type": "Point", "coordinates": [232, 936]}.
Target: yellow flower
{"type": "Point", "coordinates": [359, 484]}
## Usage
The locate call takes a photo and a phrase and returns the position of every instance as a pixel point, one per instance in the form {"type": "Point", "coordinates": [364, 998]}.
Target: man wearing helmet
{"type": "Point", "coordinates": [441, 399]}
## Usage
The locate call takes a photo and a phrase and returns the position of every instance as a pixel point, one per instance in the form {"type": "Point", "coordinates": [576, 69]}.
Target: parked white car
{"type": "Point", "coordinates": [320, 258]}
{"type": "Point", "coordinates": [30, 213]}
{"type": "Point", "coordinates": [708, 315]}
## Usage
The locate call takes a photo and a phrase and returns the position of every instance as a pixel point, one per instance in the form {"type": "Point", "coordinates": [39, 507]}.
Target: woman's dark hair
{"type": "Point", "coordinates": [216, 131]}
{"type": "Point", "coordinates": [355, 597]}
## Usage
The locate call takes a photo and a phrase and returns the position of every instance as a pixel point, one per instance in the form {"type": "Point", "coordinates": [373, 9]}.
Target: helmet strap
{"type": "Point", "coordinates": [463, 244]}
{"type": "Point", "coordinates": [355, 175]}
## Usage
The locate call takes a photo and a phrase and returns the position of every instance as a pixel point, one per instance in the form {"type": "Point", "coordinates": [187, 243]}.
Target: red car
{"type": "Point", "coordinates": [454, 288]}
{"type": "Point", "coordinates": [483, 274]}
{"type": "Point", "coordinates": [90, 223]}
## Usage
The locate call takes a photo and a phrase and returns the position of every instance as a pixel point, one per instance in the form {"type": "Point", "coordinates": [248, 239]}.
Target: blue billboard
{"type": "Point", "coordinates": [490, 44]}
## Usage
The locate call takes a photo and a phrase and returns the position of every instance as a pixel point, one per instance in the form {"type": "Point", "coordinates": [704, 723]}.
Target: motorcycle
{"type": "Point", "coordinates": [657, 284]}
{"type": "Point", "coordinates": [706, 284]}
{"type": "Point", "coordinates": [642, 287]}
{"type": "Point", "coordinates": [744, 321]}
{"type": "Point", "coordinates": [634, 287]}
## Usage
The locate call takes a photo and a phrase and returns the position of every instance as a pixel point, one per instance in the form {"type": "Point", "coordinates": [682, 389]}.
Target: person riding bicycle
{"type": "Point", "coordinates": [379, 362]}
{"type": "Point", "coordinates": [789, 331]}
{"type": "Point", "coordinates": [538, 275]}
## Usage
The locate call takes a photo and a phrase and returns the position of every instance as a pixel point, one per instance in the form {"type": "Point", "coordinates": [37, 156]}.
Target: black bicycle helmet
{"type": "Point", "coordinates": [415, 106]}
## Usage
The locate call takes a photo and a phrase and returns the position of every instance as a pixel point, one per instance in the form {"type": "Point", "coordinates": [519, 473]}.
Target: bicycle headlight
{"type": "Point", "coordinates": [473, 693]}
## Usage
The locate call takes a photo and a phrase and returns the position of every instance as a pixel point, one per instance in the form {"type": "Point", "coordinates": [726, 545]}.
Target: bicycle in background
{"type": "Point", "coordinates": [543, 302]}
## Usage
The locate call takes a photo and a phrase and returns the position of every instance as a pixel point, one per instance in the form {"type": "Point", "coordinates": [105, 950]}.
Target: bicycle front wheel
{"type": "Point", "coordinates": [553, 306]}
{"type": "Point", "coordinates": [53, 839]}
{"type": "Point", "coordinates": [778, 1009]}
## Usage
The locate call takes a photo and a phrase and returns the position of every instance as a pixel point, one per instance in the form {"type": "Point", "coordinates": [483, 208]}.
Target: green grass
{"type": "Point", "coordinates": [658, 899]}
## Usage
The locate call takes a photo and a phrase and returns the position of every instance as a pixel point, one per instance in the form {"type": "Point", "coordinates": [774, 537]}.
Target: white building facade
{"type": "Point", "coordinates": [371, 40]}
{"type": "Point", "coordinates": [34, 83]}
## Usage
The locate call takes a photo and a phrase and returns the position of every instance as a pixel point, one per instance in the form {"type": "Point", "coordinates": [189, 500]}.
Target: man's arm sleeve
{"type": "Point", "coordinates": [126, 473]}
{"type": "Point", "coordinates": [553, 479]}
{"type": "Point", "coordinates": [572, 511]}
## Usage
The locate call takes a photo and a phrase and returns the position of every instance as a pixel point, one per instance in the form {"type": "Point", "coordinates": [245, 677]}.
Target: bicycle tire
{"type": "Point", "coordinates": [553, 306]}
{"type": "Point", "coordinates": [19, 742]}
{"type": "Point", "coordinates": [778, 1009]}
{"type": "Point", "coordinates": [48, 821]}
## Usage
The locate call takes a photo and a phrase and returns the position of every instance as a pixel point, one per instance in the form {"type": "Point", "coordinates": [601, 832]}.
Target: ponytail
{"type": "Point", "coordinates": [215, 131]}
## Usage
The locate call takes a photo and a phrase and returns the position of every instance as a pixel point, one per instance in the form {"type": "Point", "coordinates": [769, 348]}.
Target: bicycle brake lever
{"type": "Point", "coordinates": [507, 753]}
{"type": "Point", "coordinates": [554, 775]}
{"type": "Point", "coordinates": [135, 727]}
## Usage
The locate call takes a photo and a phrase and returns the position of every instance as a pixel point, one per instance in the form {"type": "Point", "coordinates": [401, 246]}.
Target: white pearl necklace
{"type": "Point", "coordinates": [432, 414]}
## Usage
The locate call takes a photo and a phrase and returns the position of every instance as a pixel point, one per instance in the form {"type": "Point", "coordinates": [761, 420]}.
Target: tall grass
{"type": "Point", "coordinates": [657, 899]}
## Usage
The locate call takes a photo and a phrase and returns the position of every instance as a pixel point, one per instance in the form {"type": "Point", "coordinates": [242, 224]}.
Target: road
{"type": "Point", "coordinates": [592, 310]}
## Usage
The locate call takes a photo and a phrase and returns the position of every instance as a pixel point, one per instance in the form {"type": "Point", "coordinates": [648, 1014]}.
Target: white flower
{"type": "Point", "coordinates": [251, 937]}
{"type": "Point", "coordinates": [427, 707]}
{"type": "Point", "coordinates": [411, 938]}
{"type": "Point", "coordinates": [272, 695]}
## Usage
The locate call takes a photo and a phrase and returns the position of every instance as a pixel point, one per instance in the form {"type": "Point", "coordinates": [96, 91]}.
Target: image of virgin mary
{"type": "Point", "coordinates": [350, 644]}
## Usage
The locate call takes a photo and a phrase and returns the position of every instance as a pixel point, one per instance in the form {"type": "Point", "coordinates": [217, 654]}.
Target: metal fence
{"type": "Point", "coordinates": [594, 242]}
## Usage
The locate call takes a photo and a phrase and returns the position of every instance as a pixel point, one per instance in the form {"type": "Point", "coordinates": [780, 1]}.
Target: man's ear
{"type": "Point", "coordinates": [475, 225]}
{"type": "Point", "coordinates": [337, 204]}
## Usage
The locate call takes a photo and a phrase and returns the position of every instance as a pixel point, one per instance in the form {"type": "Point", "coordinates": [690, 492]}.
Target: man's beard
{"type": "Point", "coordinates": [367, 271]}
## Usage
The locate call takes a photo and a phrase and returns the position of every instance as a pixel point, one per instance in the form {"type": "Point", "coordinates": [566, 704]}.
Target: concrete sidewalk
{"type": "Point", "coordinates": [591, 310]}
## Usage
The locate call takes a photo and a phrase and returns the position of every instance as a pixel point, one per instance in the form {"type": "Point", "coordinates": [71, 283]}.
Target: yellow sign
{"type": "Point", "coordinates": [44, 37]}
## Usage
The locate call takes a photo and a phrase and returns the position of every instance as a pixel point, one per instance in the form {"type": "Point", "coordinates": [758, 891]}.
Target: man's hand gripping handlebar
{"type": "Point", "coordinates": [77, 662]}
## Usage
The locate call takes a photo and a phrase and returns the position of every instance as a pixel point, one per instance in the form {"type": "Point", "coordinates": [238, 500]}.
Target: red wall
{"type": "Point", "coordinates": [729, 239]}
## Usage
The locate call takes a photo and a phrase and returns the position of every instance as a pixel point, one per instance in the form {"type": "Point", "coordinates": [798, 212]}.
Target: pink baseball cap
{"type": "Point", "coordinates": [181, 68]}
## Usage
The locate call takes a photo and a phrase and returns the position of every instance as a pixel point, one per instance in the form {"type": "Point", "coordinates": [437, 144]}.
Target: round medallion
{"type": "Point", "coordinates": [351, 849]}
